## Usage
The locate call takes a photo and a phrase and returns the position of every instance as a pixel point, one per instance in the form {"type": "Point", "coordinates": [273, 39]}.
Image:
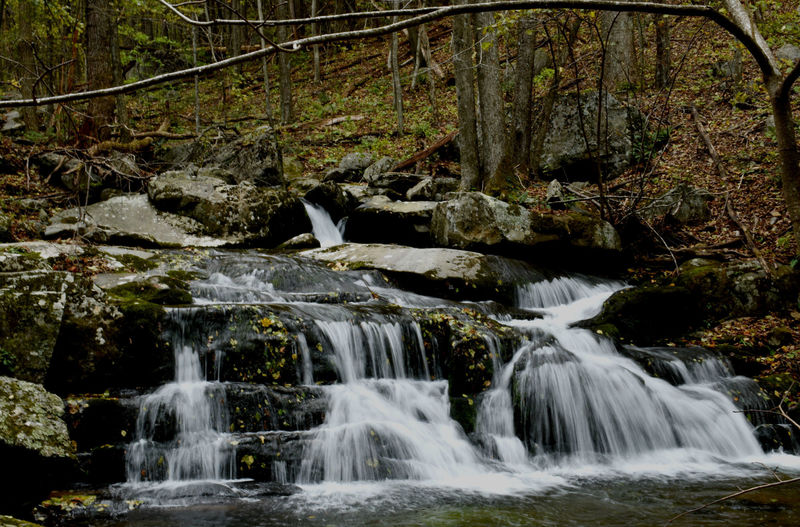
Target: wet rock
{"type": "Point", "coordinates": [448, 273]}
{"type": "Point", "coordinates": [34, 444]}
{"type": "Point", "coordinates": [259, 408]}
{"type": "Point", "coordinates": [75, 508]}
{"type": "Point", "coordinates": [705, 292]}
{"type": "Point", "coordinates": [250, 214]}
{"type": "Point", "coordinates": [778, 438]}
{"type": "Point", "coordinates": [476, 221]}
{"type": "Point", "coordinates": [301, 241]}
{"type": "Point", "coordinates": [385, 221]}
{"type": "Point", "coordinates": [271, 456]}
{"type": "Point", "coordinates": [333, 198]}
{"type": "Point", "coordinates": [565, 154]}
{"type": "Point", "coordinates": [683, 205]}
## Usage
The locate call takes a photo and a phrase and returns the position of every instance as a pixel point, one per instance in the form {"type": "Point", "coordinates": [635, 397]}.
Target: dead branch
{"type": "Point", "coordinates": [424, 154]}
{"type": "Point", "coordinates": [701, 129]}
{"type": "Point", "coordinates": [735, 495]}
{"type": "Point", "coordinates": [747, 236]}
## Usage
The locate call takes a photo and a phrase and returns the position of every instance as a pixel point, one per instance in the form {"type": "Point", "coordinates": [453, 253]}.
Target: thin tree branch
{"type": "Point", "coordinates": [788, 82]}
{"type": "Point", "coordinates": [598, 5]}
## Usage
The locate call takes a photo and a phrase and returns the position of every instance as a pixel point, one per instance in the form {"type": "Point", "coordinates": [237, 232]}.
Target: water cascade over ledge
{"type": "Point", "coordinates": [559, 404]}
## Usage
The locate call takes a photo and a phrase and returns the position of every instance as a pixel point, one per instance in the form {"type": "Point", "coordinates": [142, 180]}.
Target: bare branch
{"type": "Point", "coordinates": [598, 5]}
{"type": "Point", "coordinates": [735, 495]}
{"type": "Point", "coordinates": [788, 82]}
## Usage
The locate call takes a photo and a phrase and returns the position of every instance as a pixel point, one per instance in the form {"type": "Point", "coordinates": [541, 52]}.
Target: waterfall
{"type": "Point", "coordinates": [562, 401]}
{"type": "Point", "coordinates": [582, 402]}
{"type": "Point", "coordinates": [180, 430]}
{"type": "Point", "coordinates": [322, 225]}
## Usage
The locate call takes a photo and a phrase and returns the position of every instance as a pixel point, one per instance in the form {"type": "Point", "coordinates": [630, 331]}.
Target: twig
{"type": "Point", "coordinates": [701, 129]}
{"type": "Point", "coordinates": [663, 241]}
{"type": "Point", "coordinates": [747, 236]}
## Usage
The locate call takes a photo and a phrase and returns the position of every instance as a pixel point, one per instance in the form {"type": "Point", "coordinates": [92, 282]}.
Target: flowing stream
{"type": "Point", "coordinates": [569, 425]}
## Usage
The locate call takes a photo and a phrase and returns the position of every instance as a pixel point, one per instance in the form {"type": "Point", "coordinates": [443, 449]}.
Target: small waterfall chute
{"type": "Point", "coordinates": [328, 233]}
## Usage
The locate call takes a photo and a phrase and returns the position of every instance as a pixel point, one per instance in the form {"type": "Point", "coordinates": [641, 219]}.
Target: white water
{"type": "Point", "coordinates": [193, 446]}
{"type": "Point", "coordinates": [583, 409]}
{"type": "Point", "coordinates": [322, 225]}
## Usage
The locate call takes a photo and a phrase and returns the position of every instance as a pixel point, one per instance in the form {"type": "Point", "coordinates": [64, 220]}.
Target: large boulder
{"type": "Point", "coordinates": [253, 158]}
{"type": "Point", "coordinates": [683, 204]}
{"type": "Point", "coordinates": [35, 446]}
{"type": "Point", "coordinates": [251, 214]}
{"type": "Point", "coordinates": [448, 273]}
{"type": "Point", "coordinates": [573, 122]}
{"type": "Point", "coordinates": [130, 220]}
{"type": "Point", "coordinates": [704, 293]}
{"type": "Point", "coordinates": [382, 220]}
{"type": "Point", "coordinates": [476, 221]}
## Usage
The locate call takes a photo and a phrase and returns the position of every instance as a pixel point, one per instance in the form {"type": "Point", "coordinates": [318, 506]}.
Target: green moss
{"type": "Point", "coordinates": [135, 263]}
{"type": "Point", "coordinates": [8, 521]}
{"type": "Point", "coordinates": [170, 292]}
{"type": "Point", "coordinates": [464, 411]}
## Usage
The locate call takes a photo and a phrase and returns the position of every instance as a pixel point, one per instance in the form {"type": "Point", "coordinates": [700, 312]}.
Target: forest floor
{"type": "Point", "coordinates": [356, 86]}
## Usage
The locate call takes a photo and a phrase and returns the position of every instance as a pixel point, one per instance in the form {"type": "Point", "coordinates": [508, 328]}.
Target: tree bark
{"type": "Point", "coordinates": [663, 48]}
{"type": "Point", "coordinates": [99, 68]}
{"type": "Point", "coordinates": [465, 95]}
{"type": "Point", "coordinates": [523, 89]}
{"type": "Point", "coordinates": [397, 88]}
{"type": "Point", "coordinates": [267, 101]}
{"type": "Point", "coordinates": [28, 70]}
{"type": "Point", "coordinates": [789, 155]}
{"type": "Point", "coordinates": [314, 30]}
{"type": "Point", "coordinates": [619, 66]}
{"type": "Point", "coordinates": [492, 111]}
{"type": "Point", "coordinates": [287, 107]}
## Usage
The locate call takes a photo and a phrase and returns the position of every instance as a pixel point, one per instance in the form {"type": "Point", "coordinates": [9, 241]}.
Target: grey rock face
{"type": "Point", "coordinates": [30, 419]}
{"type": "Point", "coordinates": [788, 52]}
{"type": "Point", "coordinates": [565, 154]}
{"type": "Point", "coordinates": [683, 204]}
{"type": "Point", "coordinates": [475, 220]}
{"type": "Point", "coordinates": [252, 158]}
{"type": "Point", "coordinates": [253, 215]}
{"type": "Point", "coordinates": [130, 220]}
{"type": "Point", "coordinates": [385, 221]}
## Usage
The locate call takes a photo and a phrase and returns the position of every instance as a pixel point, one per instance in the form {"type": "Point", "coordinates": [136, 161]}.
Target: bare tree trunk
{"type": "Point", "coordinates": [523, 88]}
{"type": "Point", "coordinates": [287, 109]}
{"type": "Point", "coordinates": [26, 59]}
{"type": "Point", "coordinates": [397, 87]}
{"type": "Point", "coordinates": [99, 68]}
{"type": "Point", "coordinates": [663, 45]}
{"type": "Point", "coordinates": [620, 67]}
{"type": "Point", "coordinates": [314, 29]}
{"type": "Point", "coordinates": [465, 93]}
{"type": "Point", "coordinates": [789, 153]}
{"type": "Point", "coordinates": [237, 37]}
{"type": "Point", "coordinates": [267, 102]}
{"type": "Point", "coordinates": [492, 110]}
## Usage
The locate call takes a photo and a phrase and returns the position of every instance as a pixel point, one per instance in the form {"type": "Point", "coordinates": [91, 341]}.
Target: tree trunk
{"type": "Point", "coordinates": [396, 86]}
{"type": "Point", "coordinates": [267, 101]}
{"type": "Point", "coordinates": [287, 108]}
{"type": "Point", "coordinates": [314, 30]}
{"type": "Point", "coordinates": [619, 66]}
{"type": "Point", "coordinates": [99, 68]}
{"type": "Point", "coordinates": [492, 111]}
{"type": "Point", "coordinates": [28, 64]}
{"type": "Point", "coordinates": [523, 88]}
{"type": "Point", "coordinates": [663, 45]}
{"type": "Point", "coordinates": [465, 94]}
{"type": "Point", "coordinates": [789, 154]}
{"type": "Point", "coordinates": [237, 37]}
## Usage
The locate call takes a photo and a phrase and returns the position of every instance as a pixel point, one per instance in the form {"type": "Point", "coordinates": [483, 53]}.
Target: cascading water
{"type": "Point", "coordinates": [563, 403]}
{"type": "Point", "coordinates": [322, 225]}
{"type": "Point", "coordinates": [180, 430]}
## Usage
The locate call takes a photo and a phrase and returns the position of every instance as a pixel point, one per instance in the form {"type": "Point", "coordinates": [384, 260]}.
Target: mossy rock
{"type": "Point", "coordinates": [162, 290]}
{"type": "Point", "coordinates": [646, 315]}
{"type": "Point", "coordinates": [8, 521]}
